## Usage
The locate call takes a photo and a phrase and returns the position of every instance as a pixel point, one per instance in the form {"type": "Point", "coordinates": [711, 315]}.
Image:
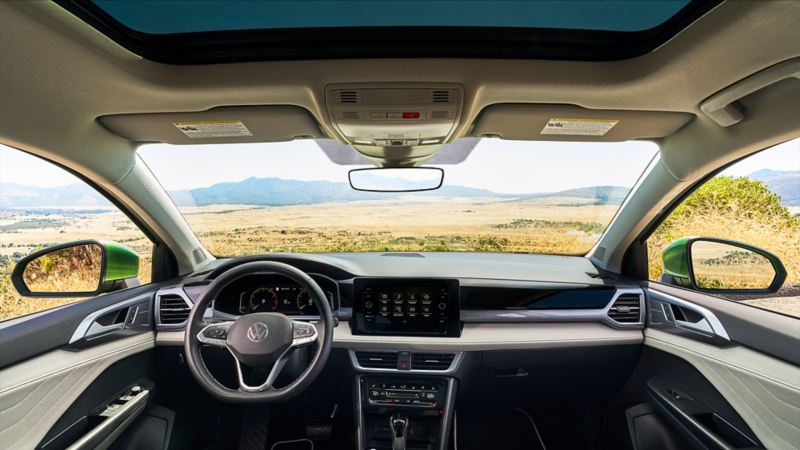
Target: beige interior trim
{"type": "Point", "coordinates": [765, 391]}
{"type": "Point", "coordinates": [35, 393]}
{"type": "Point", "coordinates": [275, 123]}
{"type": "Point", "coordinates": [476, 336]}
{"type": "Point", "coordinates": [526, 122]}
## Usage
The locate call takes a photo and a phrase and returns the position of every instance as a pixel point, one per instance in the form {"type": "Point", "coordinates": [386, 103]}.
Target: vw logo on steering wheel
{"type": "Point", "coordinates": [257, 332]}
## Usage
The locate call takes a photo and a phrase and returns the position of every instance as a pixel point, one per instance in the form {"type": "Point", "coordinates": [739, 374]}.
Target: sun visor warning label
{"type": "Point", "coordinates": [213, 129]}
{"type": "Point", "coordinates": [579, 127]}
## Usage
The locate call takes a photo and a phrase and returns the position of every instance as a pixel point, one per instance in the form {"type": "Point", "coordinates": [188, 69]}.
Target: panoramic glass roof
{"type": "Point", "coordinates": [214, 31]}
{"type": "Point", "coordinates": [170, 16]}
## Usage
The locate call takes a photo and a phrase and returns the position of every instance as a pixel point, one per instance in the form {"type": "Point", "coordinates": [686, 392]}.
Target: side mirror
{"type": "Point", "coordinates": [75, 269]}
{"type": "Point", "coordinates": [721, 265]}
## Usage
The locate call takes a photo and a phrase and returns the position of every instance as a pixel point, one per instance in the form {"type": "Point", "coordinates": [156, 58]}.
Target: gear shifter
{"type": "Point", "coordinates": [399, 425]}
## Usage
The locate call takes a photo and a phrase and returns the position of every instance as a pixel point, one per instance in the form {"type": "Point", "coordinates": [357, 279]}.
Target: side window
{"type": "Point", "coordinates": [41, 206]}
{"type": "Point", "coordinates": [755, 201]}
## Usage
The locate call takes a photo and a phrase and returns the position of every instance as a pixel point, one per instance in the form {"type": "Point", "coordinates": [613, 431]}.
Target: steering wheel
{"type": "Point", "coordinates": [259, 340]}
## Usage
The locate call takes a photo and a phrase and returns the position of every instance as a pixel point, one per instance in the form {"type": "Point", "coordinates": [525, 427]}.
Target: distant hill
{"type": "Point", "coordinates": [601, 194]}
{"type": "Point", "coordinates": [276, 192]}
{"type": "Point", "coordinates": [18, 196]}
{"type": "Point", "coordinates": [784, 183]}
{"type": "Point", "coordinates": [281, 192]}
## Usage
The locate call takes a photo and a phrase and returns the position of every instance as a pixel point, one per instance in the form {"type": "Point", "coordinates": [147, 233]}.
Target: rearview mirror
{"type": "Point", "coordinates": [721, 265]}
{"type": "Point", "coordinates": [401, 179]}
{"type": "Point", "coordinates": [75, 269]}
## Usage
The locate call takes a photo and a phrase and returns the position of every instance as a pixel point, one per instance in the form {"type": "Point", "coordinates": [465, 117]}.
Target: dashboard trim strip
{"type": "Point", "coordinates": [476, 337]}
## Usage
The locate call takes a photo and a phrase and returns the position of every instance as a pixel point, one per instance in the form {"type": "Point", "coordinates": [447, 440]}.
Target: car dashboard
{"type": "Point", "coordinates": [416, 330]}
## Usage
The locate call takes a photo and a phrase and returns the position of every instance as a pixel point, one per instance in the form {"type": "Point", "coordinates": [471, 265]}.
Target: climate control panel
{"type": "Point", "coordinates": [399, 393]}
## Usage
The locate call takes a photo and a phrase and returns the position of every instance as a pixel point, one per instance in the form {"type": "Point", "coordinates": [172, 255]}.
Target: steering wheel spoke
{"type": "Point", "coordinates": [215, 334]}
{"type": "Point", "coordinates": [274, 372]}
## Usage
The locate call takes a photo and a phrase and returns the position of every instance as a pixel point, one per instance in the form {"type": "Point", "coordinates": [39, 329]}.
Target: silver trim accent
{"type": "Point", "coordinates": [86, 324]}
{"type": "Point", "coordinates": [561, 315]}
{"type": "Point", "coordinates": [175, 290]}
{"type": "Point", "coordinates": [450, 370]}
{"type": "Point", "coordinates": [359, 414]}
{"type": "Point", "coordinates": [709, 326]}
{"type": "Point", "coordinates": [450, 404]}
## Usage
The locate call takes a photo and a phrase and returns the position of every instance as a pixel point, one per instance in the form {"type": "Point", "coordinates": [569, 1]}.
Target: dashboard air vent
{"type": "Point", "coordinates": [626, 309]}
{"type": "Point", "coordinates": [440, 96]}
{"type": "Point", "coordinates": [172, 309]}
{"type": "Point", "coordinates": [348, 96]}
{"type": "Point", "coordinates": [377, 360]}
{"type": "Point", "coordinates": [431, 361]}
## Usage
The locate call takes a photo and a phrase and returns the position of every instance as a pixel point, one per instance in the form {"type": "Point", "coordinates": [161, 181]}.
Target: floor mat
{"type": "Point", "coordinates": [509, 429]}
{"type": "Point", "coordinates": [297, 444]}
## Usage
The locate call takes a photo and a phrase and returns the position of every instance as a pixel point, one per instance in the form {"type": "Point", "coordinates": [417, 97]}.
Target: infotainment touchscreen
{"type": "Point", "coordinates": [422, 307]}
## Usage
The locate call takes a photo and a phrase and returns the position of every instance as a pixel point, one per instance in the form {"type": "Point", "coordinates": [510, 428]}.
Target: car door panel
{"type": "Point", "coordinates": [50, 359]}
{"type": "Point", "coordinates": [763, 388]}
{"type": "Point", "coordinates": [35, 393]}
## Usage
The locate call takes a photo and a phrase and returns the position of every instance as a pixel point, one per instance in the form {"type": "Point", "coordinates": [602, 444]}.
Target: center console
{"type": "Point", "coordinates": [424, 404]}
{"type": "Point", "coordinates": [404, 398]}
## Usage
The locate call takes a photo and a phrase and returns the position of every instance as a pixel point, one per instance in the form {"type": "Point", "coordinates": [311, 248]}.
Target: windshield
{"type": "Point", "coordinates": [500, 196]}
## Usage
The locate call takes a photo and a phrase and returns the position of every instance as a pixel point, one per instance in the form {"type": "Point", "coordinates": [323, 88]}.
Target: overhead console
{"type": "Point", "coordinates": [395, 123]}
{"type": "Point", "coordinates": [406, 307]}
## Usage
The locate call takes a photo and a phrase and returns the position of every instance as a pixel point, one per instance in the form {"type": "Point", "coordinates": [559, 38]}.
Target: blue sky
{"type": "Point", "coordinates": [501, 166]}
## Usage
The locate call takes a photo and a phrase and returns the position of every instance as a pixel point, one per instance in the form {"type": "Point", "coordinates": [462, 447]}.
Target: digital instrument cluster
{"type": "Point", "coordinates": [273, 294]}
{"type": "Point", "coordinates": [286, 298]}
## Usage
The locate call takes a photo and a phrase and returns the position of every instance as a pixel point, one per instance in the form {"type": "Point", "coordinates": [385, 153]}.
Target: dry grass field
{"type": "Point", "coordinates": [423, 224]}
{"type": "Point", "coordinates": [552, 225]}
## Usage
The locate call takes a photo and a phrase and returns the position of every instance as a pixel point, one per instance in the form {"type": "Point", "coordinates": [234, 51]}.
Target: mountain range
{"type": "Point", "coordinates": [281, 192]}
{"type": "Point", "coordinates": [784, 183]}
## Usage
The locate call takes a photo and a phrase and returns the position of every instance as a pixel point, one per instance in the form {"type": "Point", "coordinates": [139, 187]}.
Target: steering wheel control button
{"type": "Point", "coordinates": [304, 333]}
{"type": "Point", "coordinates": [215, 332]}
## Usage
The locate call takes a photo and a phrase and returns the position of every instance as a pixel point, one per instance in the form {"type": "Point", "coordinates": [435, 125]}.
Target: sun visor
{"type": "Point", "coordinates": [534, 122]}
{"type": "Point", "coordinates": [231, 124]}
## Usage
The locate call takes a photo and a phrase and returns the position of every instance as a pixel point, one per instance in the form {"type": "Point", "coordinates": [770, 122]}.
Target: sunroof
{"type": "Point", "coordinates": [215, 31]}
{"type": "Point", "coordinates": [170, 16]}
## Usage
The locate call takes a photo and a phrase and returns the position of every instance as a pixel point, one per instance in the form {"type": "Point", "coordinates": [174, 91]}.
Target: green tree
{"type": "Point", "coordinates": [740, 197]}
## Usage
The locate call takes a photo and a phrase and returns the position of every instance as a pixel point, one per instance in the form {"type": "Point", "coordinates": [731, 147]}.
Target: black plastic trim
{"type": "Point", "coordinates": [25, 337]}
{"type": "Point", "coordinates": [387, 42]}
